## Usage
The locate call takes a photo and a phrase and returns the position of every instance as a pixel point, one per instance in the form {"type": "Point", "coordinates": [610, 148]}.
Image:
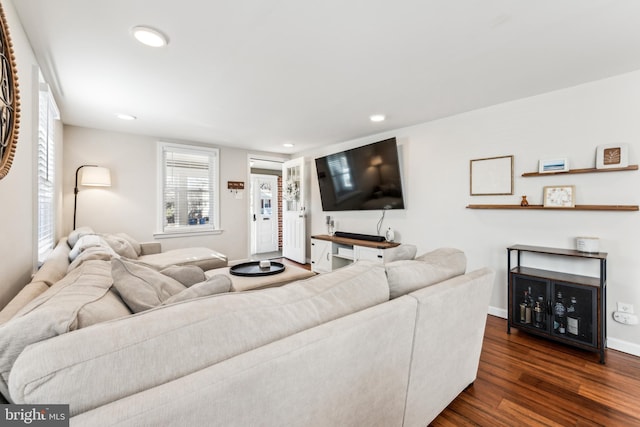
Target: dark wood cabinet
{"type": "Point", "coordinates": [564, 307]}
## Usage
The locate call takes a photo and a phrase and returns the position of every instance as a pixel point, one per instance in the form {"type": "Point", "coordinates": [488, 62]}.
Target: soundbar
{"type": "Point", "coordinates": [357, 236]}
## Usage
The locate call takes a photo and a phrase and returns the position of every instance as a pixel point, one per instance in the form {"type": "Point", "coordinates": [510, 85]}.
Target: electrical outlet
{"type": "Point", "coordinates": [624, 307]}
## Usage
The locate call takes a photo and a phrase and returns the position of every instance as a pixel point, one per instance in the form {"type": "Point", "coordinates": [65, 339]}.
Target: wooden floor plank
{"type": "Point", "coordinates": [524, 380]}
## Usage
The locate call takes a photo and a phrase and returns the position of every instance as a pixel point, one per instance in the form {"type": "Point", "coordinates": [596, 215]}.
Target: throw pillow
{"type": "Point", "coordinates": [85, 242]}
{"type": "Point", "coordinates": [142, 287]}
{"type": "Point", "coordinates": [186, 274]}
{"type": "Point", "coordinates": [401, 252]}
{"type": "Point", "coordinates": [78, 233]}
{"type": "Point", "coordinates": [217, 284]}
{"type": "Point", "coordinates": [134, 243]}
{"type": "Point", "coordinates": [120, 245]}
{"type": "Point", "coordinates": [406, 276]}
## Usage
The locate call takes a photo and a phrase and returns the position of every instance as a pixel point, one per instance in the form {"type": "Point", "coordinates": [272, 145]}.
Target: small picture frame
{"type": "Point", "coordinates": [559, 196]}
{"type": "Point", "coordinates": [612, 156]}
{"type": "Point", "coordinates": [553, 165]}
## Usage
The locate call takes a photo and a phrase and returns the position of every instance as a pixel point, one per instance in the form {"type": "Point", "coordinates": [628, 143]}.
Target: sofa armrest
{"type": "Point", "coordinates": [150, 248]}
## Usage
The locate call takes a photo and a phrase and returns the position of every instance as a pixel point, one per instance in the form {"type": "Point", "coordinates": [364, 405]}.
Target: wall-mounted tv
{"type": "Point", "coordinates": [363, 178]}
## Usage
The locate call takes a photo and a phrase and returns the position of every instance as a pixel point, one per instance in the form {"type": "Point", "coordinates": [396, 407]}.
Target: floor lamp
{"type": "Point", "coordinates": [92, 176]}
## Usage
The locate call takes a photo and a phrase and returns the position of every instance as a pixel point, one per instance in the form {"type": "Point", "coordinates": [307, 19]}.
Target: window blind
{"type": "Point", "coordinates": [47, 114]}
{"type": "Point", "coordinates": [189, 189]}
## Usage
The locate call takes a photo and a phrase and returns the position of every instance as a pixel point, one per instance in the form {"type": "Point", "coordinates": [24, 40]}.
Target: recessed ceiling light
{"type": "Point", "coordinates": [149, 36]}
{"type": "Point", "coordinates": [126, 117]}
{"type": "Point", "coordinates": [377, 118]}
{"type": "Point", "coordinates": [287, 144]}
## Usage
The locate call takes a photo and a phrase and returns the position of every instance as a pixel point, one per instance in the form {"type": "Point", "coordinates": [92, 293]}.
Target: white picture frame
{"type": "Point", "coordinates": [559, 196]}
{"type": "Point", "coordinates": [553, 165]}
{"type": "Point", "coordinates": [491, 176]}
{"type": "Point", "coordinates": [611, 156]}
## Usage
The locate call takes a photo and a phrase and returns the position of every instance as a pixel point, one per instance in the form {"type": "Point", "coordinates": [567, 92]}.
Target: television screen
{"type": "Point", "coordinates": [363, 178]}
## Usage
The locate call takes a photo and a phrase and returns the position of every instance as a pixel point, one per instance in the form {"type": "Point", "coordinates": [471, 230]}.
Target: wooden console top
{"type": "Point", "coordinates": [365, 243]}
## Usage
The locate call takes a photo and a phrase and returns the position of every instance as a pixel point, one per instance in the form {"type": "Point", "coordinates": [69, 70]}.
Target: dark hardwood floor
{"type": "Point", "coordinates": [528, 381]}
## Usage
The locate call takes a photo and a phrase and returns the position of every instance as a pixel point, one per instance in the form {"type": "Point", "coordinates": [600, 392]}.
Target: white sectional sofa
{"type": "Point", "coordinates": [368, 344]}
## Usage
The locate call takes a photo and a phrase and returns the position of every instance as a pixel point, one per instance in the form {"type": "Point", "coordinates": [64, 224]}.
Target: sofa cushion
{"type": "Point", "coordinates": [214, 285]}
{"type": "Point", "coordinates": [26, 294]}
{"type": "Point", "coordinates": [186, 274]}
{"type": "Point", "coordinates": [168, 342]}
{"type": "Point", "coordinates": [55, 266]}
{"type": "Point", "coordinates": [54, 312]}
{"type": "Point", "coordinates": [142, 287]}
{"type": "Point", "coordinates": [409, 275]}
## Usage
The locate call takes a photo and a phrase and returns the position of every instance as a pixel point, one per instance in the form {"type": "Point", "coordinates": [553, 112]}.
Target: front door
{"type": "Point", "coordinates": [293, 211]}
{"type": "Point", "coordinates": [265, 213]}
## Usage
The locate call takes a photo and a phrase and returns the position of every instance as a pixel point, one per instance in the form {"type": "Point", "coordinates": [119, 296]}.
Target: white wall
{"type": "Point", "coordinates": [129, 205]}
{"type": "Point", "coordinates": [567, 123]}
{"type": "Point", "coordinates": [17, 212]}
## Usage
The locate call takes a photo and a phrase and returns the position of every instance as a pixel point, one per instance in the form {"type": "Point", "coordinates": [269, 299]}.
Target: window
{"type": "Point", "coordinates": [189, 188]}
{"type": "Point", "coordinates": [47, 115]}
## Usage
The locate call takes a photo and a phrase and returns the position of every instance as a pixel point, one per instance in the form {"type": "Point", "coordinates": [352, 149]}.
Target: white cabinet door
{"type": "Point", "coordinates": [372, 254]}
{"type": "Point", "coordinates": [320, 256]}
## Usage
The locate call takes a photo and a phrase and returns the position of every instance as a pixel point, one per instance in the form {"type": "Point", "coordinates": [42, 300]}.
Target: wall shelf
{"type": "Point", "coordinates": [619, 208]}
{"type": "Point", "coordinates": [585, 170]}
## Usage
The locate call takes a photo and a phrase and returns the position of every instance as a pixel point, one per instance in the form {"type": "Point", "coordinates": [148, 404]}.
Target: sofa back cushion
{"type": "Point", "coordinates": [55, 266]}
{"type": "Point", "coordinates": [75, 301]}
{"type": "Point", "coordinates": [119, 358]}
{"type": "Point", "coordinates": [409, 275]}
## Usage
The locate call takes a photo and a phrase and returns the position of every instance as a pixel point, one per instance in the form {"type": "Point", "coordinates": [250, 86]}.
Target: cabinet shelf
{"type": "Point", "coordinates": [620, 208]}
{"type": "Point", "coordinates": [584, 170]}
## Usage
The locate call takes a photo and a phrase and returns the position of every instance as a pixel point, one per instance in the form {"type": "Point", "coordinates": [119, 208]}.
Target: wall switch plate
{"type": "Point", "coordinates": [625, 318]}
{"type": "Point", "coordinates": [625, 307]}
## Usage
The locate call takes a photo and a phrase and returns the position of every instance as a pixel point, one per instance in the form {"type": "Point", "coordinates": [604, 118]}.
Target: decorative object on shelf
{"type": "Point", "coordinates": [524, 202]}
{"type": "Point", "coordinates": [291, 190]}
{"type": "Point", "coordinates": [612, 156]}
{"type": "Point", "coordinates": [9, 99]}
{"type": "Point", "coordinates": [559, 196]}
{"type": "Point", "coordinates": [553, 165]}
{"type": "Point", "coordinates": [588, 244]}
{"type": "Point", "coordinates": [390, 235]}
{"type": "Point", "coordinates": [491, 176]}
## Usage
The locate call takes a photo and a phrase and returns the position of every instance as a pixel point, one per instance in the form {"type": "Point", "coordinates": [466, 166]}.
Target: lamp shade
{"type": "Point", "coordinates": [96, 176]}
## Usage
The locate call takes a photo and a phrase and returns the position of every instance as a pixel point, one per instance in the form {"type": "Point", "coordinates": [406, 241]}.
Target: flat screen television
{"type": "Point", "coordinates": [363, 178]}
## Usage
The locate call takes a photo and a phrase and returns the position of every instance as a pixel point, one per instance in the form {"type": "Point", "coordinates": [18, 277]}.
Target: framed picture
{"type": "Point", "coordinates": [491, 176]}
{"type": "Point", "coordinates": [553, 165]}
{"type": "Point", "coordinates": [612, 156]}
{"type": "Point", "coordinates": [559, 196]}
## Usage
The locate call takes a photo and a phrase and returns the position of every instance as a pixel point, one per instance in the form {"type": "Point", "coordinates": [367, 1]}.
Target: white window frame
{"type": "Point", "coordinates": [45, 177]}
{"type": "Point", "coordinates": [213, 227]}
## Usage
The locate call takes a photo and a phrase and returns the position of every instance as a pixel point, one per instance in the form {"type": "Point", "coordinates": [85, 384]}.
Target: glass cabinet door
{"type": "Point", "coordinates": [530, 302]}
{"type": "Point", "coordinates": [573, 310]}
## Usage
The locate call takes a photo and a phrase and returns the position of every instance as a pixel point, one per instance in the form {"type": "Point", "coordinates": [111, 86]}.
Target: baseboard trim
{"type": "Point", "coordinates": [498, 312]}
{"type": "Point", "coordinates": [612, 343]}
{"type": "Point", "coordinates": [623, 346]}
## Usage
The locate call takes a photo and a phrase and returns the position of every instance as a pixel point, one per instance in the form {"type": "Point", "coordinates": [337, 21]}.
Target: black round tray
{"type": "Point", "coordinates": [253, 269]}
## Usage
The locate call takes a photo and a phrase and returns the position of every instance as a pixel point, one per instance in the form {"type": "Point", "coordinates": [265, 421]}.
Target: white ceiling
{"type": "Point", "coordinates": [258, 73]}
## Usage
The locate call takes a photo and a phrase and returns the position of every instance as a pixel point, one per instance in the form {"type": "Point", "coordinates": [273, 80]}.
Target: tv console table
{"type": "Point", "coordinates": [331, 252]}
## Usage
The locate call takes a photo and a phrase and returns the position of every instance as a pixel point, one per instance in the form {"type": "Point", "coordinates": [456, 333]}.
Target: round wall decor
{"type": "Point", "coordinates": [9, 99]}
